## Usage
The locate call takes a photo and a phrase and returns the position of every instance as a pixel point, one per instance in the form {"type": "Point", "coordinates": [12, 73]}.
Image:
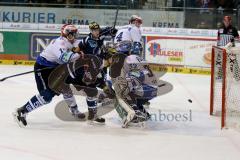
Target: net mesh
{"type": "Point", "coordinates": [232, 86]}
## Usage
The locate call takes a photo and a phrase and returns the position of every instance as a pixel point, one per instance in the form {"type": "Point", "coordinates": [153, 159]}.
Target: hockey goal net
{"type": "Point", "coordinates": [225, 85]}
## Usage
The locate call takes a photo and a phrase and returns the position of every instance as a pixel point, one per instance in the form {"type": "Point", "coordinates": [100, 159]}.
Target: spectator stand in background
{"type": "Point", "coordinates": [204, 6]}
{"type": "Point", "coordinates": [203, 25]}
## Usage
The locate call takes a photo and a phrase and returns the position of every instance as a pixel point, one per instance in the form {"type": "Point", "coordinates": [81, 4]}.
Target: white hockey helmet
{"type": "Point", "coordinates": [69, 31]}
{"type": "Point", "coordinates": [134, 18]}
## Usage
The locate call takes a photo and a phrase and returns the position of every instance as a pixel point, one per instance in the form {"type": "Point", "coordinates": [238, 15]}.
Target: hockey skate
{"type": "Point", "coordinates": [92, 116]}
{"type": "Point", "coordinates": [76, 113]}
{"type": "Point", "coordinates": [20, 117]}
{"type": "Point", "coordinates": [146, 105]}
{"type": "Point", "coordinates": [139, 117]}
{"type": "Point", "coordinates": [141, 114]}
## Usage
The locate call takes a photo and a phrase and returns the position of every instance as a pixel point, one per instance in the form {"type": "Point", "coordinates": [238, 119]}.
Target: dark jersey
{"type": "Point", "coordinates": [226, 35]}
{"type": "Point", "coordinates": [230, 30]}
{"type": "Point", "coordinates": [92, 46]}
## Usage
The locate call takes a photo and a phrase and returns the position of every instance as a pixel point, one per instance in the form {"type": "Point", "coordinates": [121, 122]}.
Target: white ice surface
{"type": "Point", "coordinates": [47, 138]}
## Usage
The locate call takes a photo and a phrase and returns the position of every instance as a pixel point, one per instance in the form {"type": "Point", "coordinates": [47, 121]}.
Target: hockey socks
{"type": "Point", "coordinates": [34, 103]}
{"type": "Point", "coordinates": [92, 110]}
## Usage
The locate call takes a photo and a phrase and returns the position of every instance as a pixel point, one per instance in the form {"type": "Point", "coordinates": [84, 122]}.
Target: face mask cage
{"type": "Point", "coordinates": [71, 34]}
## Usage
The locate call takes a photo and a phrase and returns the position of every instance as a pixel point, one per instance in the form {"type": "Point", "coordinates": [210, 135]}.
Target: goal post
{"type": "Point", "coordinates": [225, 85]}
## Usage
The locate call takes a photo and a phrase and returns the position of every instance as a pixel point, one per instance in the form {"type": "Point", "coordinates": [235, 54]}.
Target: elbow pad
{"type": "Point", "coordinates": [66, 57]}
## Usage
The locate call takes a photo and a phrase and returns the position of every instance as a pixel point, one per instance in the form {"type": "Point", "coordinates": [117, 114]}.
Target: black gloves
{"type": "Point", "coordinates": [113, 31]}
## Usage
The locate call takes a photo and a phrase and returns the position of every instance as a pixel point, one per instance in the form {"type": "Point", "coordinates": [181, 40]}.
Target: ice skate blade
{"type": "Point", "coordinates": [20, 124]}
{"type": "Point", "coordinates": [95, 123]}
{"type": "Point", "coordinates": [140, 125]}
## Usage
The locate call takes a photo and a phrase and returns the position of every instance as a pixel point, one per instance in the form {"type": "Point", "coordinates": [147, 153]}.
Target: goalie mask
{"type": "Point", "coordinates": [70, 32]}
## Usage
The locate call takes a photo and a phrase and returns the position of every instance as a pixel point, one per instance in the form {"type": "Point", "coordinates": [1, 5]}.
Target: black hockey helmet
{"type": "Point", "coordinates": [94, 25]}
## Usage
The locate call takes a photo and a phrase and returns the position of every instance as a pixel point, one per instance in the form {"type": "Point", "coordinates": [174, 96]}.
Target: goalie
{"type": "Point", "coordinates": [134, 84]}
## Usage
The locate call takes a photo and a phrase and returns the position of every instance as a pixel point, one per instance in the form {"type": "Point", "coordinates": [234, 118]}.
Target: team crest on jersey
{"type": "Point", "coordinates": [92, 43]}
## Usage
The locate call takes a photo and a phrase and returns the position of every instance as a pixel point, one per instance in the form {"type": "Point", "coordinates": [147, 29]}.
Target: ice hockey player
{"type": "Point", "coordinates": [92, 45]}
{"type": "Point", "coordinates": [59, 51]}
{"type": "Point", "coordinates": [131, 33]}
{"type": "Point", "coordinates": [134, 85]}
{"type": "Point", "coordinates": [227, 33]}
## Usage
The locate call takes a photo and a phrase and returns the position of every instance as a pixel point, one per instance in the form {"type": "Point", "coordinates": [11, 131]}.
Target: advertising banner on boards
{"type": "Point", "coordinates": [14, 45]}
{"type": "Point", "coordinates": [35, 15]}
{"type": "Point", "coordinates": [39, 41]}
{"type": "Point", "coordinates": [180, 51]}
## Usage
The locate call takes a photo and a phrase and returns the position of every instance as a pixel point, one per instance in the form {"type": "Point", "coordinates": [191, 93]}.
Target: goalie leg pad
{"type": "Point", "coordinates": [125, 111]}
{"type": "Point", "coordinates": [121, 87]}
{"type": "Point", "coordinates": [121, 112]}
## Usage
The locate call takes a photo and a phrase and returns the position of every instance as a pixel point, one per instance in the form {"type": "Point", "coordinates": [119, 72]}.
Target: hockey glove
{"type": "Point", "coordinates": [113, 31]}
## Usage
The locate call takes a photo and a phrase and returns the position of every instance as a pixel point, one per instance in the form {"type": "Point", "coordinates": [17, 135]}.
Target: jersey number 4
{"type": "Point", "coordinates": [119, 37]}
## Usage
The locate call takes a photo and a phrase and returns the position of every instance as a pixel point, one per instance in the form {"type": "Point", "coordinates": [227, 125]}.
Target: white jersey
{"type": "Point", "coordinates": [133, 62]}
{"type": "Point", "coordinates": [137, 77]}
{"type": "Point", "coordinates": [128, 33]}
{"type": "Point", "coordinates": [58, 52]}
{"type": "Point", "coordinates": [135, 65]}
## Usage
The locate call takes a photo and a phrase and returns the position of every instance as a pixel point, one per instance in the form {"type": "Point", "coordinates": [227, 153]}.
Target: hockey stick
{"type": "Point", "coordinates": [115, 20]}
{"type": "Point", "coordinates": [114, 23]}
{"type": "Point", "coordinates": [19, 74]}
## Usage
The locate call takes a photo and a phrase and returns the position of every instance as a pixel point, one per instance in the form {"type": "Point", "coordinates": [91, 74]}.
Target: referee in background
{"type": "Point", "coordinates": [227, 33]}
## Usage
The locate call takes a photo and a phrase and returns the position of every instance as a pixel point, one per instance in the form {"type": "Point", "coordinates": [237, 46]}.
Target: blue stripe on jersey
{"type": "Point", "coordinates": [43, 61]}
{"type": "Point", "coordinates": [70, 58]}
{"type": "Point", "coordinates": [149, 92]}
{"type": "Point", "coordinates": [61, 57]}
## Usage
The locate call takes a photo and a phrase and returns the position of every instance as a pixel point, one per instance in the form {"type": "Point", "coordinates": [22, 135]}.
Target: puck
{"type": "Point", "coordinates": [189, 100]}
